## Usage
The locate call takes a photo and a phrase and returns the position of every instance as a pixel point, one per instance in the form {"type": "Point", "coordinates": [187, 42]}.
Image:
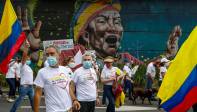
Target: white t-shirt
{"type": "Point", "coordinates": [26, 74]}
{"type": "Point", "coordinates": [46, 64]}
{"type": "Point", "coordinates": [70, 73]}
{"type": "Point", "coordinates": [164, 70]}
{"type": "Point", "coordinates": [151, 70]}
{"type": "Point", "coordinates": [55, 82]}
{"type": "Point", "coordinates": [128, 70]}
{"type": "Point", "coordinates": [19, 70]}
{"type": "Point", "coordinates": [107, 73]}
{"type": "Point", "coordinates": [13, 70]}
{"type": "Point", "coordinates": [85, 81]}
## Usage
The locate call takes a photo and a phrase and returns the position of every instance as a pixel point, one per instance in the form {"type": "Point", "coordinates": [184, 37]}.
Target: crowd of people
{"type": "Point", "coordinates": [67, 88]}
{"type": "Point", "coordinates": [70, 88]}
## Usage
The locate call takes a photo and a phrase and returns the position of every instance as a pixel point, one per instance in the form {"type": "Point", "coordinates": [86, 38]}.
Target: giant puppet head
{"type": "Point", "coordinates": [97, 25]}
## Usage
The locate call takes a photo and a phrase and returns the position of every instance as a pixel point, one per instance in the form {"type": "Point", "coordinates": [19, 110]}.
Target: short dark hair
{"type": "Point", "coordinates": [67, 59]}
{"type": "Point", "coordinates": [53, 46]}
{"type": "Point", "coordinates": [162, 64]}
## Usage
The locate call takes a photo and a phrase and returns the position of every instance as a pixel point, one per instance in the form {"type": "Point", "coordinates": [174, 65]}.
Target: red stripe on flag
{"type": "Point", "coordinates": [189, 100]}
{"type": "Point", "coordinates": [14, 49]}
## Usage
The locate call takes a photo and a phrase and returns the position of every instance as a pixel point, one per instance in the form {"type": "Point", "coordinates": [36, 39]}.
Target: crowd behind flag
{"type": "Point", "coordinates": [179, 87]}
{"type": "Point", "coordinates": [11, 36]}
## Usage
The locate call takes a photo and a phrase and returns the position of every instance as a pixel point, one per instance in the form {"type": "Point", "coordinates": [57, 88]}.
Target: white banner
{"type": "Point", "coordinates": [64, 44]}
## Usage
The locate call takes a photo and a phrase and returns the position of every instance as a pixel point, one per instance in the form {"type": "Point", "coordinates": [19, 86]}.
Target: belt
{"type": "Point", "coordinates": [26, 85]}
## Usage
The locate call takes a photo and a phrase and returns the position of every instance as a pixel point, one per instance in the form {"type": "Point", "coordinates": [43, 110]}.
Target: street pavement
{"type": "Point", "coordinates": [127, 107]}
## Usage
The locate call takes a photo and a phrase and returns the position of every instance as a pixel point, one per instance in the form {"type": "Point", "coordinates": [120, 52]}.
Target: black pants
{"type": "Point", "coordinates": [159, 102]}
{"type": "Point", "coordinates": [87, 106]}
{"type": "Point", "coordinates": [1, 91]}
{"type": "Point", "coordinates": [104, 97]}
{"type": "Point", "coordinates": [195, 107]}
{"type": "Point", "coordinates": [111, 98]}
{"type": "Point", "coordinates": [18, 84]}
{"type": "Point", "coordinates": [12, 85]}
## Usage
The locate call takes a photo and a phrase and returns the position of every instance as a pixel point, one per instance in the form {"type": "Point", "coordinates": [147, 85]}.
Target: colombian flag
{"type": "Point", "coordinates": [178, 91]}
{"type": "Point", "coordinates": [11, 36]}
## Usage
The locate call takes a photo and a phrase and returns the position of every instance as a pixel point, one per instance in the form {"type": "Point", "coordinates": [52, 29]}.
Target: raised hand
{"type": "Point", "coordinates": [177, 31]}
{"type": "Point", "coordinates": [32, 34]}
{"type": "Point", "coordinates": [172, 43]}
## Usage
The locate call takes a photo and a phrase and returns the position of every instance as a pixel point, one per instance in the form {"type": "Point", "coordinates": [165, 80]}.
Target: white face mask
{"type": "Point", "coordinates": [128, 64]}
{"type": "Point", "coordinates": [71, 65]}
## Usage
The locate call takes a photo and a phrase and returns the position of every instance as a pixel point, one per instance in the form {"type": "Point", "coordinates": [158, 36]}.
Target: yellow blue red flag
{"type": "Point", "coordinates": [178, 91]}
{"type": "Point", "coordinates": [11, 36]}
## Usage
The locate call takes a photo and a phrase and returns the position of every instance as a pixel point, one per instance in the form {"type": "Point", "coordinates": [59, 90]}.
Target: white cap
{"type": "Point", "coordinates": [164, 60]}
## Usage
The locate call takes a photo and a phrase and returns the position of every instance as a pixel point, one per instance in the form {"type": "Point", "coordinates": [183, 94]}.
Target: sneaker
{"type": "Point", "coordinates": [10, 100]}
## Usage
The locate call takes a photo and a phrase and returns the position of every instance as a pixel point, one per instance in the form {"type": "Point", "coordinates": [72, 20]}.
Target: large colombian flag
{"type": "Point", "coordinates": [11, 36]}
{"type": "Point", "coordinates": [178, 91]}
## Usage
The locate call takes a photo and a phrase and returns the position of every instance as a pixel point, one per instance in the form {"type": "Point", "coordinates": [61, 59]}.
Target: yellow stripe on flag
{"type": "Point", "coordinates": [8, 19]}
{"type": "Point", "coordinates": [179, 70]}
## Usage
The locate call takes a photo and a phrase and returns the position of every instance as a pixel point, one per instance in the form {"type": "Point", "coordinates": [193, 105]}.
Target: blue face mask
{"type": "Point", "coordinates": [87, 64]}
{"type": "Point", "coordinates": [71, 65]}
{"type": "Point", "coordinates": [28, 62]}
{"type": "Point", "coordinates": [52, 61]}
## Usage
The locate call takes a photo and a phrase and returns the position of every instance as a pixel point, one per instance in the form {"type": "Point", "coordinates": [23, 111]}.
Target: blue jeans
{"type": "Point", "coordinates": [149, 83]}
{"type": "Point", "coordinates": [12, 86]}
{"type": "Point", "coordinates": [111, 98]}
{"type": "Point", "coordinates": [128, 86]}
{"type": "Point", "coordinates": [23, 91]}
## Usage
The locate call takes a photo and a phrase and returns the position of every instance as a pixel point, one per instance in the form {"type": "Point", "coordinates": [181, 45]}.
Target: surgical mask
{"type": "Point", "coordinates": [71, 65]}
{"type": "Point", "coordinates": [28, 62]}
{"type": "Point", "coordinates": [52, 61]}
{"type": "Point", "coordinates": [87, 64]}
{"type": "Point", "coordinates": [128, 64]}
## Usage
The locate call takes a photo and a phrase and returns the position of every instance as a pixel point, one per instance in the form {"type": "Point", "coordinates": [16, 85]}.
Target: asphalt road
{"type": "Point", "coordinates": [128, 107]}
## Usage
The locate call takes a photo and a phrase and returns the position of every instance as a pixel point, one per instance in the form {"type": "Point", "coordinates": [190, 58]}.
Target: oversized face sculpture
{"type": "Point", "coordinates": [104, 33]}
